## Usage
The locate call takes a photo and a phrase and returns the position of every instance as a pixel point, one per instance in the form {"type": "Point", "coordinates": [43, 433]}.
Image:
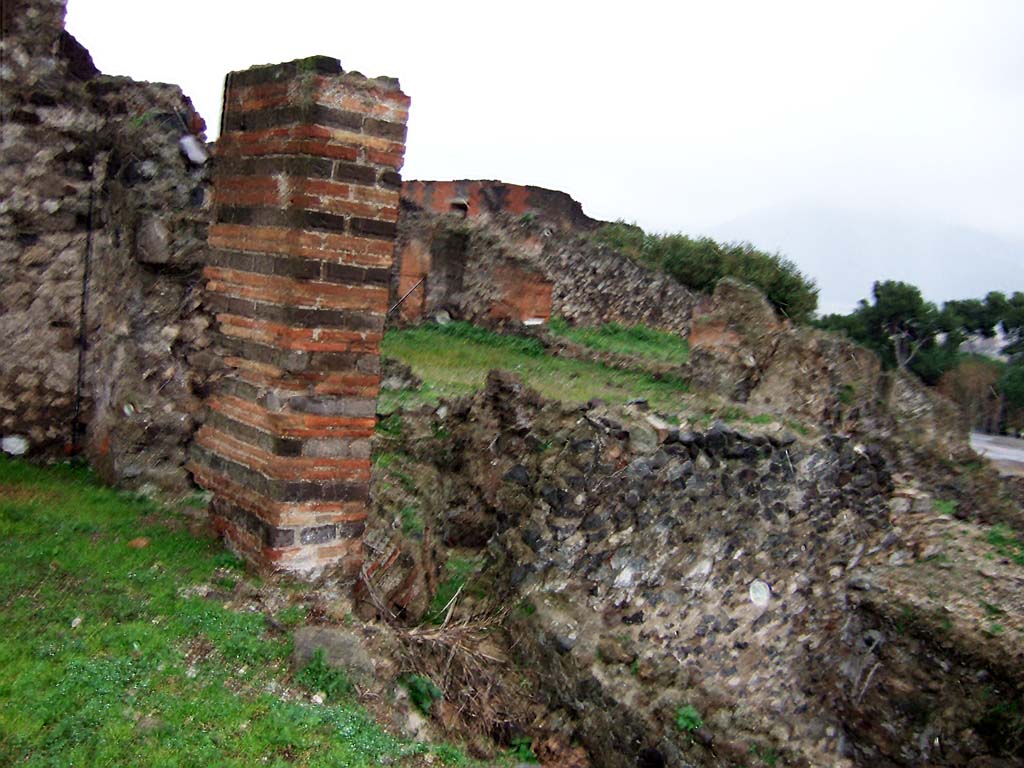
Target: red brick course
{"type": "Point", "coordinates": [306, 198]}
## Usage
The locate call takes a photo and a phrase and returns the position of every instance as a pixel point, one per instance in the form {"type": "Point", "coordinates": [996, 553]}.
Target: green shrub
{"type": "Point", "coordinates": [628, 238]}
{"type": "Point", "coordinates": [697, 264]}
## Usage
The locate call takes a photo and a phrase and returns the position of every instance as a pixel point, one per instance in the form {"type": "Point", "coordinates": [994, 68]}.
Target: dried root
{"type": "Point", "coordinates": [466, 658]}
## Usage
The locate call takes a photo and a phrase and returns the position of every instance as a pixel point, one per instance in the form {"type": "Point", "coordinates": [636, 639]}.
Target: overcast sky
{"type": "Point", "coordinates": [681, 116]}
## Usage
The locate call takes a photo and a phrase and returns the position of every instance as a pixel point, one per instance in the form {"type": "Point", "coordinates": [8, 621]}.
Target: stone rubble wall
{"type": "Point", "coordinates": [306, 204]}
{"type": "Point", "coordinates": [741, 349]}
{"type": "Point", "coordinates": [761, 578]}
{"type": "Point", "coordinates": [92, 174]}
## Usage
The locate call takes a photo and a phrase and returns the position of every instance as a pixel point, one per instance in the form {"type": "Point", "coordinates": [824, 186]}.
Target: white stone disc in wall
{"type": "Point", "coordinates": [760, 593]}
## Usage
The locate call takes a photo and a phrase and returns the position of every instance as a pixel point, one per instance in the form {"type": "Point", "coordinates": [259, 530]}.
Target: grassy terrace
{"type": "Point", "coordinates": [454, 360]}
{"type": "Point", "coordinates": [638, 340]}
{"type": "Point", "coordinates": [109, 656]}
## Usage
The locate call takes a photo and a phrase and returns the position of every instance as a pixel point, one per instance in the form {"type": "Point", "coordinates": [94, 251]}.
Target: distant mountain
{"type": "Point", "coordinates": [846, 251]}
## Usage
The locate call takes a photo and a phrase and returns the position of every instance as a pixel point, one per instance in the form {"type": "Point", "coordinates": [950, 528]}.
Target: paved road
{"type": "Point", "coordinates": [1007, 453]}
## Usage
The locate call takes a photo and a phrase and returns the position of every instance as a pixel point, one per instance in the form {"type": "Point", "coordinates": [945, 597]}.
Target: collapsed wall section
{"type": "Point", "coordinates": [306, 197]}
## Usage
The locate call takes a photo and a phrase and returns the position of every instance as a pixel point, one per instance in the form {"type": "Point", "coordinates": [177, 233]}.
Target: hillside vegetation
{"type": "Point", "coordinates": [699, 263]}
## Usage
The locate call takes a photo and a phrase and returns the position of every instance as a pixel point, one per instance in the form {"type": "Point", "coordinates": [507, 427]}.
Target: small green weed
{"type": "Point", "coordinates": [423, 692]}
{"type": "Point", "coordinates": [732, 413]}
{"type": "Point", "coordinates": [945, 506]}
{"type": "Point", "coordinates": [318, 676]}
{"type": "Point", "coordinates": [522, 750]}
{"type": "Point", "coordinates": [458, 570]}
{"type": "Point", "coordinates": [1006, 544]}
{"type": "Point", "coordinates": [796, 426]}
{"type": "Point", "coordinates": [396, 464]}
{"type": "Point", "coordinates": [1001, 724]}
{"type": "Point", "coordinates": [390, 425]}
{"type": "Point", "coordinates": [526, 608]}
{"type": "Point", "coordinates": [688, 719]}
{"type": "Point", "coordinates": [847, 394]}
{"type": "Point", "coordinates": [766, 755]}
{"type": "Point", "coordinates": [450, 755]}
{"type": "Point", "coordinates": [412, 523]}
{"type": "Point", "coordinates": [905, 620]}
{"type": "Point", "coordinates": [991, 609]}
{"type": "Point", "coordinates": [293, 615]}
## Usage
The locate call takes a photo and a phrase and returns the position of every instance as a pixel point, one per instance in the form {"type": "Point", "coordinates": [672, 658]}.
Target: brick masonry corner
{"type": "Point", "coordinates": [306, 197]}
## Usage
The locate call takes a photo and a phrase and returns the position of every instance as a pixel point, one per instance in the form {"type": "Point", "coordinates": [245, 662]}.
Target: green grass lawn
{"type": "Point", "coordinates": [454, 360]}
{"type": "Point", "coordinates": [637, 340]}
{"type": "Point", "coordinates": [108, 659]}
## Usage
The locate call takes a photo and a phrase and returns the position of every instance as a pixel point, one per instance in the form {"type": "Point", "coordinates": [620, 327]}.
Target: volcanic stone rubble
{"type": "Point", "coordinates": [99, 207]}
{"type": "Point", "coordinates": [644, 563]}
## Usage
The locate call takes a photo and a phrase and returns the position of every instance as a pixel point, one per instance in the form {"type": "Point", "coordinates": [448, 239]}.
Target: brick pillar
{"type": "Point", "coordinates": [306, 191]}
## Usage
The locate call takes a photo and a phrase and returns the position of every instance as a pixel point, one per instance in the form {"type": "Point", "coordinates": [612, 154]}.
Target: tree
{"type": "Point", "coordinates": [1013, 324]}
{"type": "Point", "coordinates": [902, 317]}
{"type": "Point", "coordinates": [898, 325]}
{"type": "Point", "coordinates": [974, 385]}
{"type": "Point", "coordinates": [912, 334]}
{"type": "Point", "coordinates": [1011, 385]}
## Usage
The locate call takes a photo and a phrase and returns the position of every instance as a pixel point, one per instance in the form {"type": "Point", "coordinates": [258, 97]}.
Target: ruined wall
{"type": "Point", "coordinates": [98, 202]}
{"type": "Point", "coordinates": [813, 605]}
{"type": "Point", "coordinates": [487, 198]}
{"type": "Point", "coordinates": [741, 349]}
{"type": "Point", "coordinates": [306, 200]}
{"type": "Point", "coordinates": [511, 268]}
